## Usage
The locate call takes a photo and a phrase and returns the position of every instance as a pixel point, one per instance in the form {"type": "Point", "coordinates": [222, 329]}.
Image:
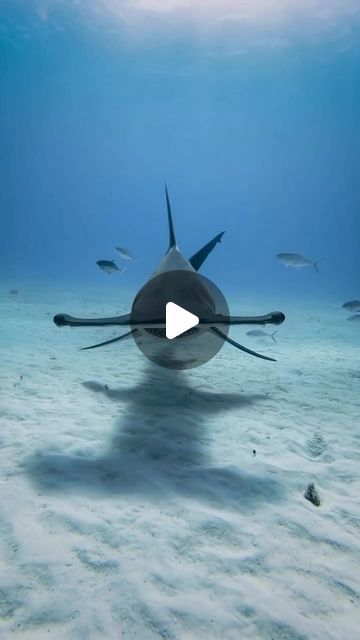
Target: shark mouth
{"type": "Point", "coordinates": [161, 333]}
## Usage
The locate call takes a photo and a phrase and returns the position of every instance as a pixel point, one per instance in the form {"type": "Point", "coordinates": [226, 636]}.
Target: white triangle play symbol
{"type": "Point", "coordinates": [178, 320]}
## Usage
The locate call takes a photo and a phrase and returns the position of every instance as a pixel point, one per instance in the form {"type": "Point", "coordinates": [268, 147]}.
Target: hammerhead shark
{"type": "Point", "coordinates": [150, 301]}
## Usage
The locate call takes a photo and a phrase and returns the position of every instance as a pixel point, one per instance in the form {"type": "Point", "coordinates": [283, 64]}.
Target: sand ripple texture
{"type": "Point", "coordinates": [131, 502]}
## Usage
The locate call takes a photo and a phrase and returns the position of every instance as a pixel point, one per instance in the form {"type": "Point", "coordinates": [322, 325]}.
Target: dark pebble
{"type": "Point", "coordinates": [312, 495]}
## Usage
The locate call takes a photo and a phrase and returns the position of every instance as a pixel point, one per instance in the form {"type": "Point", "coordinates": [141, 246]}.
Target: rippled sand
{"type": "Point", "coordinates": [133, 506]}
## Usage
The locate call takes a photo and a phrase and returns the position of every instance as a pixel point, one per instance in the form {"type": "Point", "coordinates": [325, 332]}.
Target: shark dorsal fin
{"type": "Point", "coordinates": [172, 239]}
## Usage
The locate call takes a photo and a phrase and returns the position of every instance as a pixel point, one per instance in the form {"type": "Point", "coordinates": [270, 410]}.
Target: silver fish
{"type": "Point", "coordinates": [259, 333]}
{"type": "Point", "coordinates": [352, 305]}
{"type": "Point", "coordinates": [108, 266]}
{"type": "Point", "coordinates": [296, 260]}
{"type": "Point", "coordinates": [354, 318]}
{"type": "Point", "coordinates": [125, 254]}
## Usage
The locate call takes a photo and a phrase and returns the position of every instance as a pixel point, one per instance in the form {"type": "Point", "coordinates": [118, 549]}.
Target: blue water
{"type": "Point", "coordinates": [142, 502]}
{"type": "Point", "coordinates": [253, 135]}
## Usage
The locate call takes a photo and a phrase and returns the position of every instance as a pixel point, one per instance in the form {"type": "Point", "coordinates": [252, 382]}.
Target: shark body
{"type": "Point", "coordinates": [149, 320]}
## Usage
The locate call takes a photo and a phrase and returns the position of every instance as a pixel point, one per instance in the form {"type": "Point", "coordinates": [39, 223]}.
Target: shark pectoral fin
{"type": "Point", "coordinates": [101, 344]}
{"type": "Point", "coordinates": [200, 256]}
{"type": "Point", "coordinates": [63, 320]}
{"type": "Point", "coordinates": [240, 346]}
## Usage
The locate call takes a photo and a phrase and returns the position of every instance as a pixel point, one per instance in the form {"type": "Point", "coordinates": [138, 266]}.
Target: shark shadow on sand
{"type": "Point", "coordinates": [159, 449]}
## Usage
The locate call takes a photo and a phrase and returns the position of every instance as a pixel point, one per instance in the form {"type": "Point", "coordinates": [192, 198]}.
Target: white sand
{"type": "Point", "coordinates": [139, 511]}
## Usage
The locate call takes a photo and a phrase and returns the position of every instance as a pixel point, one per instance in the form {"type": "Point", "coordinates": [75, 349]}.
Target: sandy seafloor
{"type": "Point", "coordinates": [131, 505]}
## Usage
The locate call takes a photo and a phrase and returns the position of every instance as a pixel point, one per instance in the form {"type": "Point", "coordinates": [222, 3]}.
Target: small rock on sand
{"type": "Point", "coordinates": [312, 495]}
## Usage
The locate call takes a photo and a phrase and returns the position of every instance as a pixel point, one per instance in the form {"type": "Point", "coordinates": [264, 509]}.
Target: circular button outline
{"type": "Point", "coordinates": [194, 293]}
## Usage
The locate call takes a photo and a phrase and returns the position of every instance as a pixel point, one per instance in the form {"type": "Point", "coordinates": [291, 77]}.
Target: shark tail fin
{"type": "Point", "coordinates": [172, 239]}
{"type": "Point", "coordinates": [316, 266]}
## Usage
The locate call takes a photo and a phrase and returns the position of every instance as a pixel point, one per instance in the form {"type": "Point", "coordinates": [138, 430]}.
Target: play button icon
{"type": "Point", "coordinates": [178, 320]}
{"type": "Point", "coordinates": [169, 319]}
